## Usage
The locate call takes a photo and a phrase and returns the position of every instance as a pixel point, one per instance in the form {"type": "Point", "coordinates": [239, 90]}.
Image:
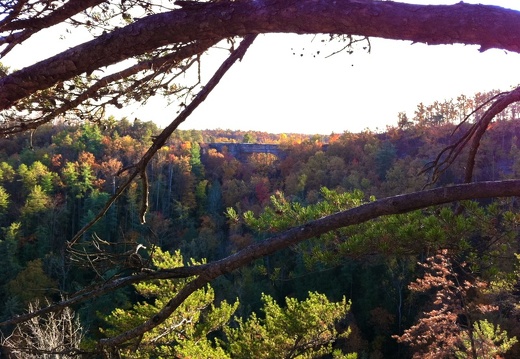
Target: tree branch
{"type": "Point", "coordinates": [104, 288]}
{"type": "Point", "coordinates": [69, 9]}
{"type": "Point", "coordinates": [472, 136]}
{"type": "Point", "coordinates": [32, 25]}
{"type": "Point", "coordinates": [158, 64]}
{"type": "Point", "coordinates": [208, 272]}
{"type": "Point", "coordinates": [487, 26]}
{"type": "Point", "coordinates": [387, 206]}
{"type": "Point", "coordinates": [161, 139]}
{"type": "Point", "coordinates": [481, 126]}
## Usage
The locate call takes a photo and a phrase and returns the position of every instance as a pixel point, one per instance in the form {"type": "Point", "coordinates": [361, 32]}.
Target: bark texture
{"type": "Point", "coordinates": [487, 26]}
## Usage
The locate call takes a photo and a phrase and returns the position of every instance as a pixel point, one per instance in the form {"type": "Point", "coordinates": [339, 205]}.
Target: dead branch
{"type": "Point", "coordinates": [145, 196]}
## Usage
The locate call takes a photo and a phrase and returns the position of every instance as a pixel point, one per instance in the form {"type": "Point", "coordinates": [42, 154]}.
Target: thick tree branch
{"type": "Point", "coordinates": [487, 26]}
{"type": "Point", "coordinates": [387, 206]}
{"type": "Point", "coordinates": [207, 272]}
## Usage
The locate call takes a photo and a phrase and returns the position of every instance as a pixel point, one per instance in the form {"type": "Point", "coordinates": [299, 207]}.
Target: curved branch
{"type": "Point", "coordinates": [449, 154]}
{"type": "Point", "coordinates": [387, 206]}
{"type": "Point", "coordinates": [472, 136]}
{"type": "Point", "coordinates": [498, 106]}
{"type": "Point", "coordinates": [487, 26]}
{"type": "Point", "coordinates": [31, 26]}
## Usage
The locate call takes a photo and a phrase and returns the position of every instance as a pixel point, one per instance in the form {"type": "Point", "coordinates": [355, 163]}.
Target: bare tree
{"type": "Point", "coordinates": [56, 335]}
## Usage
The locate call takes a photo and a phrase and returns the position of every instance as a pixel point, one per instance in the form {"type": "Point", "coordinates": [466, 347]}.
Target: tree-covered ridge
{"type": "Point", "coordinates": [56, 179]}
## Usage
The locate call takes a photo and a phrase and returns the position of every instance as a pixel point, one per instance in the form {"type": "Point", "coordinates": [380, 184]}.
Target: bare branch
{"type": "Point", "coordinates": [161, 139]}
{"type": "Point", "coordinates": [498, 106]}
{"type": "Point", "coordinates": [145, 196]}
{"type": "Point", "coordinates": [473, 135]}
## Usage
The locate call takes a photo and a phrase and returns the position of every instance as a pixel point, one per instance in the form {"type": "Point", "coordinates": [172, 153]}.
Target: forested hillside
{"type": "Point", "coordinates": [396, 287]}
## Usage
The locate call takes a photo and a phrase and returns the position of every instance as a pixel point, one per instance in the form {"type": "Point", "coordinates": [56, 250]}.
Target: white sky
{"type": "Point", "coordinates": [275, 91]}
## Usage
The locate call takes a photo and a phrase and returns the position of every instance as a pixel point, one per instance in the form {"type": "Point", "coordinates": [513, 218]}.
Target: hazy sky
{"type": "Point", "coordinates": [282, 85]}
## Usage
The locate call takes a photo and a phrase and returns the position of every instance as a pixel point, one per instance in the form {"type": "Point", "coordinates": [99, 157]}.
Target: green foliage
{"type": "Point", "coordinates": [31, 284]}
{"type": "Point", "coordinates": [196, 165]}
{"type": "Point", "coordinates": [36, 174]}
{"type": "Point", "coordinates": [183, 334]}
{"type": "Point", "coordinates": [303, 329]}
{"type": "Point", "coordinates": [6, 172]}
{"type": "Point", "coordinates": [78, 178]}
{"type": "Point", "coordinates": [248, 138]}
{"type": "Point", "coordinates": [405, 234]}
{"type": "Point", "coordinates": [9, 261]}
{"type": "Point", "coordinates": [37, 202]}
{"type": "Point", "coordinates": [384, 159]}
{"type": "Point", "coordinates": [282, 214]}
{"type": "Point", "coordinates": [90, 139]}
{"type": "Point", "coordinates": [489, 341]}
{"type": "Point", "coordinates": [4, 200]}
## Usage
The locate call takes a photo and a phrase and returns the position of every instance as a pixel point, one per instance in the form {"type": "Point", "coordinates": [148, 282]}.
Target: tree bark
{"type": "Point", "coordinates": [487, 26]}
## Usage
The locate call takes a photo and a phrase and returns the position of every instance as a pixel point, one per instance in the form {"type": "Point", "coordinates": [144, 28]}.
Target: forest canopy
{"type": "Point", "coordinates": [89, 204]}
